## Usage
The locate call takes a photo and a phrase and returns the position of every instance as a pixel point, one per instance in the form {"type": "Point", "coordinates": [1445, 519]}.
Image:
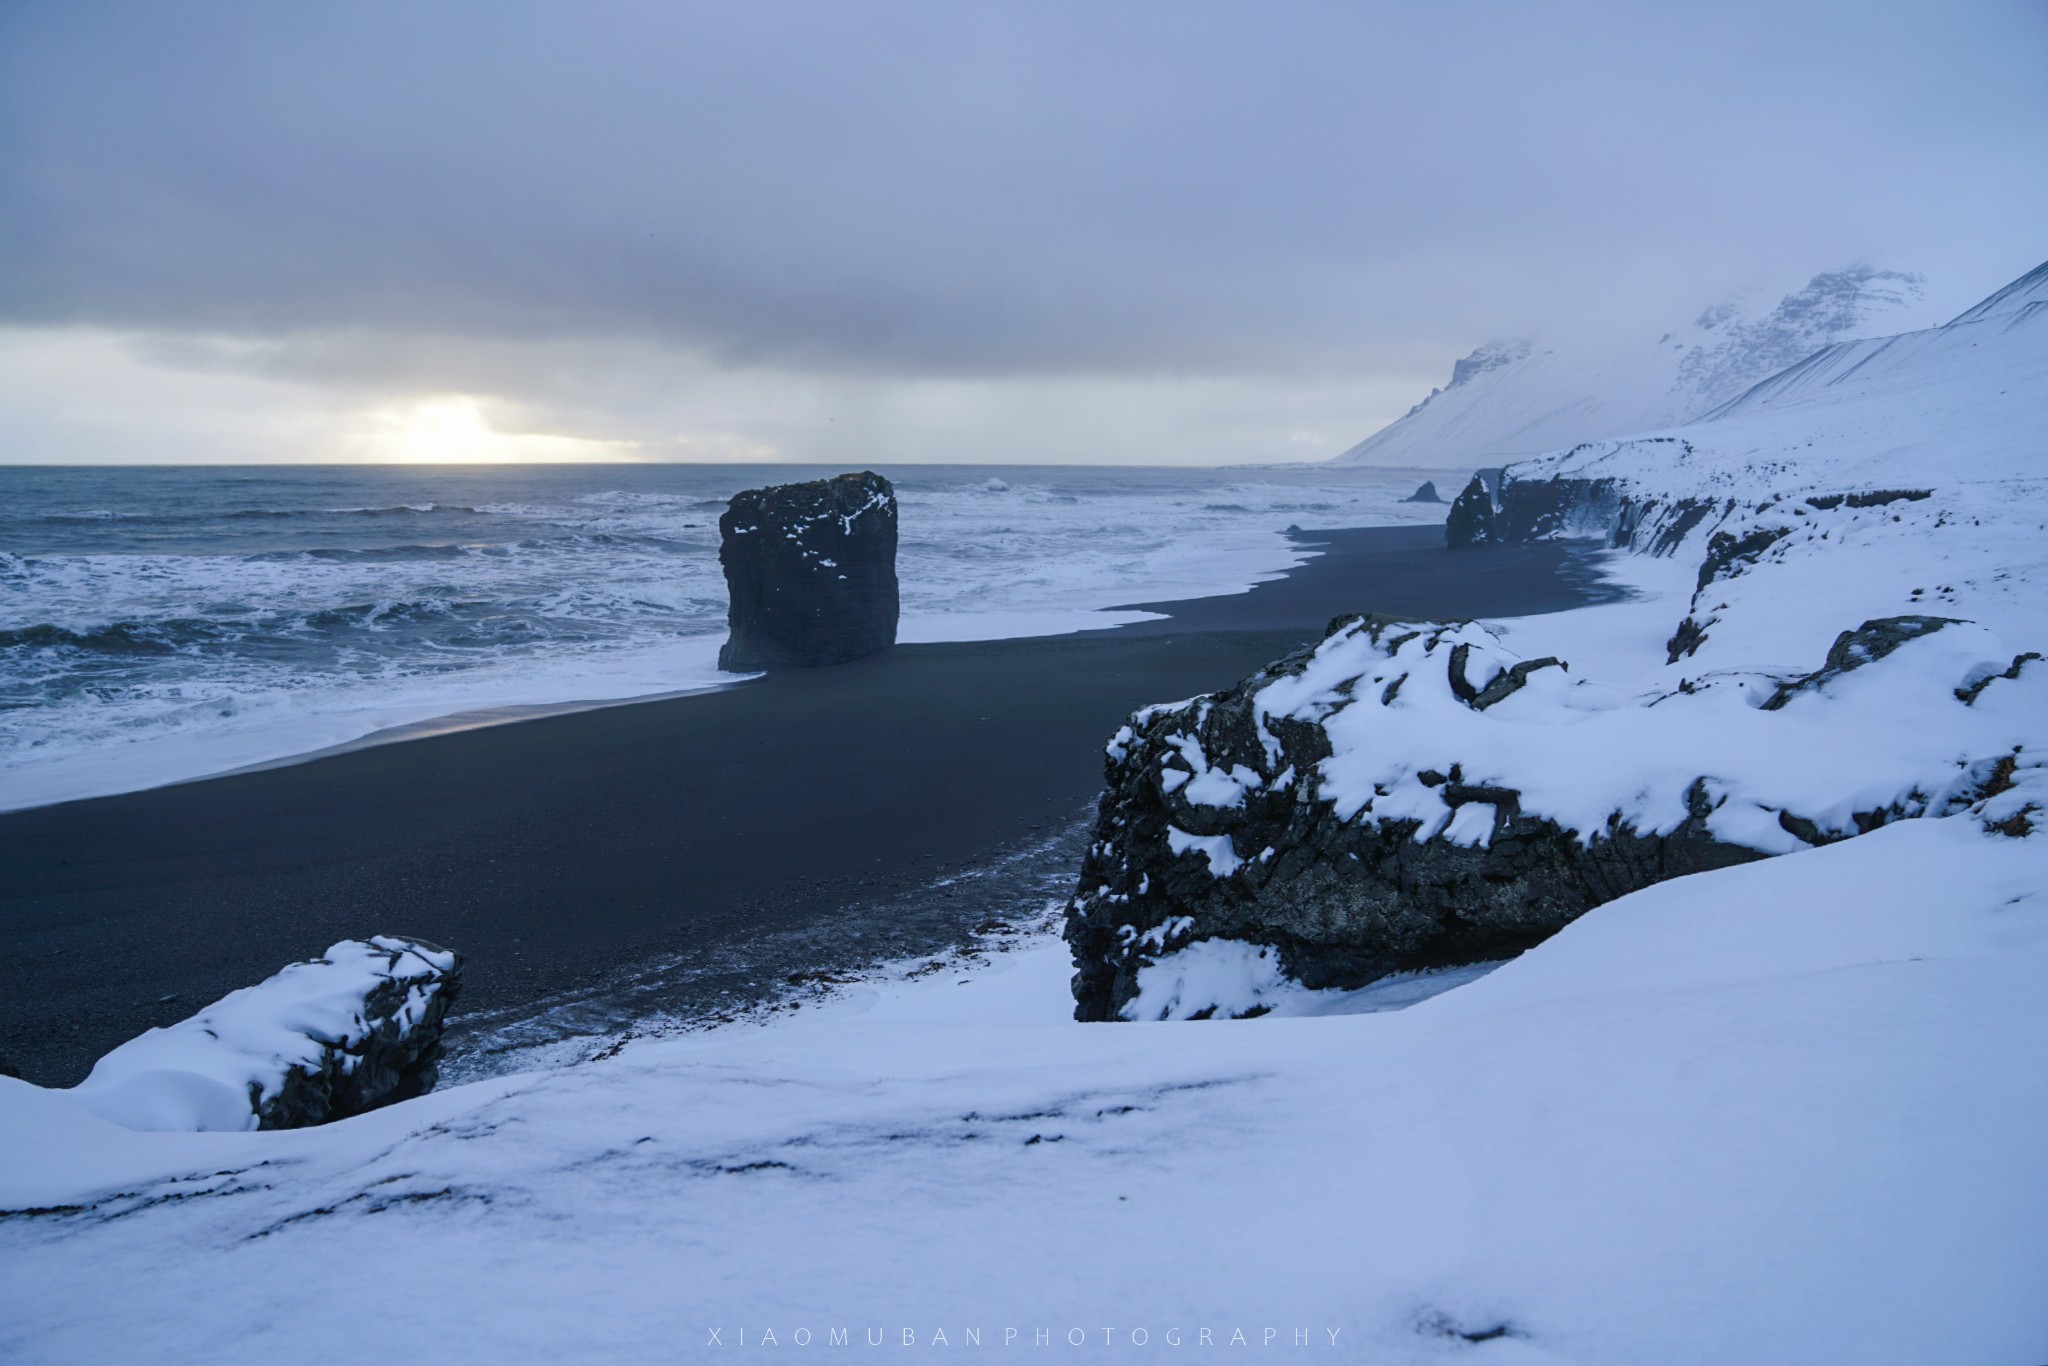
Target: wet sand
{"type": "Point", "coordinates": [558, 852]}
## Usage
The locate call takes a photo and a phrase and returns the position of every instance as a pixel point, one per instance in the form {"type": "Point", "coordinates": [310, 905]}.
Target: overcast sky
{"type": "Point", "coordinates": [1191, 232]}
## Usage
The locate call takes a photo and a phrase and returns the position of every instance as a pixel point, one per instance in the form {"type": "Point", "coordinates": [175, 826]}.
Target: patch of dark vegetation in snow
{"type": "Point", "coordinates": [121, 1204]}
{"type": "Point", "coordinates": [1436, 1323]}
{"type": "Point", "coordinates": [1876, 498]}
{"type": "Point", "coordinates": [372, 1201]}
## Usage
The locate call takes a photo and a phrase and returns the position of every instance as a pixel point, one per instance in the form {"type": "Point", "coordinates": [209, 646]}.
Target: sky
{"type": "Point", "coordinates": [1179, 233]}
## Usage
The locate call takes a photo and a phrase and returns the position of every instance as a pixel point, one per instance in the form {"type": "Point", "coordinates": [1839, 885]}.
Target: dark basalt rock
{"type": "Point", "coordinates": [811, 570]}
{"type": "Point", "coordinates": [1875, 498]}
{"type": "Point", "coordinates": [1425, 494]}
{"type": "Point", "coordinates": [1474, 516]}
{"type": "Point", "coordinates": [357, 1028]}
{"type": "Point", "coordinates": [1496, 510]}
{"type": "Point", "coordinates": [1729, 554]}
{"type": "Point", "coordinates": [1504, 685]}
{"type": "Point", "coordinates": [1867, 644]}
{"type": "Point", "coordinates": [1970, 692]}
{"type": "Point", "coordinates": [1685, 641]}
{"type": "Point", "coordinates": [398, 1054]}
{"type": "Point", "coordinates": [1344, 902]}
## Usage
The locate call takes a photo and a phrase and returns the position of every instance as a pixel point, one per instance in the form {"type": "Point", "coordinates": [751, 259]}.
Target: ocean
{"type": "Point", "coordinates": [161, 624]}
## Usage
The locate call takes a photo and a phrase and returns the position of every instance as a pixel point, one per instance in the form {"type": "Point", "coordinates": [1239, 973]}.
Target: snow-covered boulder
{"type": "Point", "coordinates": [1414, 794]}
{"type": "Point", "coordinates": [347, 1032]}
{"type": "Point", "coordinates": [811, 570]}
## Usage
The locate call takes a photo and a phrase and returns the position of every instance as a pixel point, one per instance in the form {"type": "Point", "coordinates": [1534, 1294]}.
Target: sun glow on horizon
{"type": "Point", "coordinates": [453, 431]}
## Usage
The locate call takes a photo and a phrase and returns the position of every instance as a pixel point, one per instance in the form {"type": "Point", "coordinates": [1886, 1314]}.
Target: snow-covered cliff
{"type": "Point", "coordinates": [1518, 398]}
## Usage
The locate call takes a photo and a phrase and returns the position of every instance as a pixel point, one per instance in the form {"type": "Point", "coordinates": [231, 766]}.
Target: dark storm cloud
{"type": "Point", "coordinates": [992, 189]}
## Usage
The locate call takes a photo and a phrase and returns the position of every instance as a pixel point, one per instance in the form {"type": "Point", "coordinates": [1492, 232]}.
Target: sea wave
{"type": "Point", "coordinates": [204, 516]}
{"type": "Point", "coordinates": [116, 638]}
{"type": "Point", "coordinates": [95, 515]}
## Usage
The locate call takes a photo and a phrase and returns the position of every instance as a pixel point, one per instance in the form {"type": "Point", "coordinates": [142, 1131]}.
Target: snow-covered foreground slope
{"type": "Point", "coordinates": [1510, 399]}
{"type": "Point", "coordinates": [1790, 1112]}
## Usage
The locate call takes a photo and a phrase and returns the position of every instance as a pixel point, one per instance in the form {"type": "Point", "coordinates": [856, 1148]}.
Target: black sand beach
{"type": "Point", "coordinates": [557, 852]}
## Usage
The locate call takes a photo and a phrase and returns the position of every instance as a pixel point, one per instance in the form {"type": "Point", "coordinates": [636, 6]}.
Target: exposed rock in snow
{"type": "Point", "coordinates": [811, 569]}
{"type": "Point", "coordinates": [1868, 643]}
{"type": "Point", "coordinates": [1426, 494]}
{"type": "Point", "coordinates": [1521, 398]}
{"type": "Point", "coordinates": [1413, 795]}
{"type": "Point", "coordinates": [347, 1032]}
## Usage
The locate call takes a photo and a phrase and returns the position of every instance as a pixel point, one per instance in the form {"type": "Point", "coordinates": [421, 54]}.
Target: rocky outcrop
{"type": "Point", "coordinates": [811, 573]}
{"type": "Point", "coordinates": [1221, 821]}
{"type": "Point", "coordinates": [1474, 514]}
{"type": "Point", "coordinates": [1425, 494]}
{"type": "Point", "coordinates": [1872, 498]}
{"type": "Point", "coordinates": [1868, 643]}
{"type": "Point", "coordinates": [1412, 795]}
{"type": "Point", "coordinates": [358, 1028]}
{"type": "Point", "coordinates": [1497, 509]}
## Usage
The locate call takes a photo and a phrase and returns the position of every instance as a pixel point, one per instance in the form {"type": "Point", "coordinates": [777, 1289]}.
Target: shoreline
{"type": "Point", "coordinates": [564, 587]}
{"type": "Point", "coordinates": [924, 630]}
{"type": "Point", "coordinates": [454, 723]}
{"type": "Point", "coordinates": [560, 852]}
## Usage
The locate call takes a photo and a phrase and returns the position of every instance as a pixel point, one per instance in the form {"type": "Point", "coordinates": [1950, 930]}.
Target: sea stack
{"type": "Point", "coordinates": [811, 571]}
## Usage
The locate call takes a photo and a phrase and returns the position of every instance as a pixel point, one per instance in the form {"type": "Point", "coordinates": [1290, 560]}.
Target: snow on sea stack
{"type": "Point", "coordinates": [811, 570]}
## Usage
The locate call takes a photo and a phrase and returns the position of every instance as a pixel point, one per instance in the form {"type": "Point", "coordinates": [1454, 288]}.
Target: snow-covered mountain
{"type": "Point", "coordinates": [1517, 398]}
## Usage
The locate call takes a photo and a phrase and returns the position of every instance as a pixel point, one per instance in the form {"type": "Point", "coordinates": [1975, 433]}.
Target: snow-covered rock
{"type": "Point", "coordinates": [347, 1032]}
{"type": "Point", "coordinates": [1510, 399]}
{"type": "Point", "coordinates": [1415, 794]}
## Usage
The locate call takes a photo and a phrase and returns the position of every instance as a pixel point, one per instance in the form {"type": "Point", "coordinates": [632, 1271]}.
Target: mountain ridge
{"type": "Point", "coordinates": [1514, 398]}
